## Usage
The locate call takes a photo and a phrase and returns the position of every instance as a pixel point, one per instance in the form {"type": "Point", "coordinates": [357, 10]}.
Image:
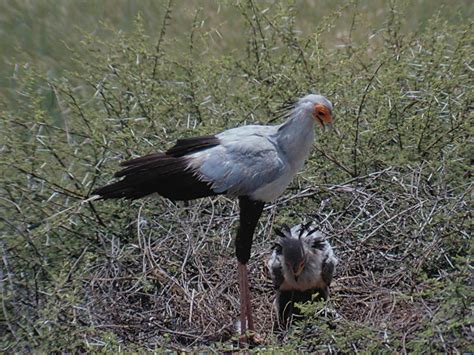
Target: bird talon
{"type": "Point", "coordinates": [251, 338]}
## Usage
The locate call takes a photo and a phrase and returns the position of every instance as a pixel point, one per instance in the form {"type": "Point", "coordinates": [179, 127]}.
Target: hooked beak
{"type": "Point", "coordinates": [323, 116]}
{"type": "Point", "coordinates": [327, 121]}
{"type": "Point", "coordinates": [297, 272]}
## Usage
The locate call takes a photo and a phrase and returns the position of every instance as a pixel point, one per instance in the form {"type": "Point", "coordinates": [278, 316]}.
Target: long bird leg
{"type": "Point", "coordinates": [246, 318]}
{"type": "Point", "coordinates": [248, 306]}
{"type": "Point", "coordinates": [243, 288]}
{"type": "Point", "coordinates": [250, 212]}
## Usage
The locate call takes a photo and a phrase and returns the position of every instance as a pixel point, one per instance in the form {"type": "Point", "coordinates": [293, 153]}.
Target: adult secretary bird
{"type": "Point", "coordinates": [253, 163]}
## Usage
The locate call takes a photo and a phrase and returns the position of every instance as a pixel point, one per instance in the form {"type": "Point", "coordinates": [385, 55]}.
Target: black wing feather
{"type": "Point", "coordinates": [192, 145]}
{"type": "Point", "coordinates": [168, 174]}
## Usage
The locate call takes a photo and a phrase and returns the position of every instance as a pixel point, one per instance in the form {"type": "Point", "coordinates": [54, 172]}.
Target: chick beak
{"type": "Point", "coordinates": [297, 272]}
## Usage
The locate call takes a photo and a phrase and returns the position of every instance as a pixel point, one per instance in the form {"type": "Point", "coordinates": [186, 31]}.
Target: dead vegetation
{"type": "Point", "coordinates": [174, 285]}
{"type": "Point", "coordinates": [392, 189]}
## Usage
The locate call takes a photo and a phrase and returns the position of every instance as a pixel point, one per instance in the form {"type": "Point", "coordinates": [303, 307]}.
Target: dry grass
{"type": "Point", "coordinates": [174, 285]}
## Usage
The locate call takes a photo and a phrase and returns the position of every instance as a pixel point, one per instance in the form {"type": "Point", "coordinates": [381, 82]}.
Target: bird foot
{"type": "Point", "coordinates": [245, 326]}
{"type": "Point", "coordinates": [250, 339]}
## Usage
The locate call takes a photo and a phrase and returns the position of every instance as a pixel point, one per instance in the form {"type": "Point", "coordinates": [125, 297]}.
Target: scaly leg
{"type": "Point", "coordinates": [247, 329]}
{"type": "Point", "coordinates": [242, 269]}
{"type": "Point", "coordinates": [248, 306]}
{"type": "Point", "coordinates": [250, 212]}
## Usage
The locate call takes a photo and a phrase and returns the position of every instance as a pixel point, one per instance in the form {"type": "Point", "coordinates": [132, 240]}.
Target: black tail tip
{"type": "Point", "coordinates": [97, 193]}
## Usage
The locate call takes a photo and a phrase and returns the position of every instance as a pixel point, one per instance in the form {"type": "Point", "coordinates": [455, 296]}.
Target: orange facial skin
{"type": "Point", "coordinates": [322, 115]}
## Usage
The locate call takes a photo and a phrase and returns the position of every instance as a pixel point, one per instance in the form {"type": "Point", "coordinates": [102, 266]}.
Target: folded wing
{"type": "Point", "coordinates": [241, 164]}
{"type": "Point", "coordinates": [169, 174]}
{"type": "Point", "coordinates": [236, 162]}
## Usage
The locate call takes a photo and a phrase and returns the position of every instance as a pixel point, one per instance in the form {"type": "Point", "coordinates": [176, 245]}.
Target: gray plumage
{"type": "Point", "coordinates": [260, 161]}
{"type": "Point", "coordinates": [302, 264]}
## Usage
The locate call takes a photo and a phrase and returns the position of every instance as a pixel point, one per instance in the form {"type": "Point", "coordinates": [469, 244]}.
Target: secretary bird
{"type": "Point", "coordinates": [302, 264]}
{"type": "Point", "coordinates": [253, 163]}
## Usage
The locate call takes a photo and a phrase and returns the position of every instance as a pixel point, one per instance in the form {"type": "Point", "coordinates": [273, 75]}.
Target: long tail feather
{"type": "Point", "coordinates": [169, 176]}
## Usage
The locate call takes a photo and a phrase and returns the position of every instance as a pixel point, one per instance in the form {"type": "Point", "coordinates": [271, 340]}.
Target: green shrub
{"type": "Point", "coordinates": [391, 187]}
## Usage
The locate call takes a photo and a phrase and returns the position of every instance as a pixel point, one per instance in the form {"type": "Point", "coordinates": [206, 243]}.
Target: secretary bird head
{"type": "Point", "coordinates": [302, 264]}
{"type": "Point", "coordinates": [292, 251]}
{"type": "Point", "coordinates": [319, 107]}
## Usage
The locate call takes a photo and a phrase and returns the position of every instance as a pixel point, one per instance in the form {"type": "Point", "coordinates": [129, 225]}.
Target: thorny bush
{"type": "Point", "coordinates": [391, 188]}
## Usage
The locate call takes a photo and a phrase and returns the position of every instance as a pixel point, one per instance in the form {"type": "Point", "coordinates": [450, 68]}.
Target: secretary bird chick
{"type": "Point", "coordinates": [302, 264]}
{"type": "Point", "coordinates": [253, 163]}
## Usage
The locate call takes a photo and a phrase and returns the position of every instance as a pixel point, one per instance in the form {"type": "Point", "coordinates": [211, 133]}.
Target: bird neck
{"type": "Point", "coordinates": [296, 136]}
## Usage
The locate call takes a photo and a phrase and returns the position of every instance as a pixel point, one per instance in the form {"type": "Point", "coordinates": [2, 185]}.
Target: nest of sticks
{"type": "Point", "coordinates": [173, 283]}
